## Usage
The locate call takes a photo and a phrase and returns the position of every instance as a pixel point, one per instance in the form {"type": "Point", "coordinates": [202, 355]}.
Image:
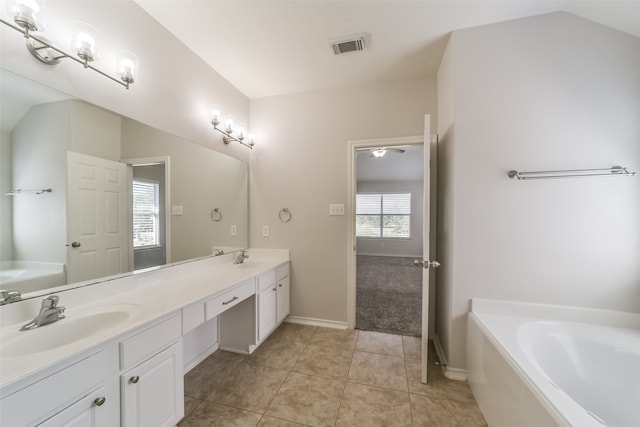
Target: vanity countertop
{"type": "Point", "coordinates": [138, 299]}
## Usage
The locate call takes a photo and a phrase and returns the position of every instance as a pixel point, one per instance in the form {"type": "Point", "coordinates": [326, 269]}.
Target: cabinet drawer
{"type": "Point", "coordinates": [192, 316]}
{"type": "Point", "coordinates": [150, 341]}
{"type": "Point", "coordinates": [53, 393]}
{"type": "Point", "coordinates": [229, 299]}
{"type": "Point", "coordinates": [266, 280]}
{"type": "Point", "coordinates": [282, 272]}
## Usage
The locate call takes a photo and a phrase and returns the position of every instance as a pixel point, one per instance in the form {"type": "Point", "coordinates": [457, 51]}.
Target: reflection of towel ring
{"type": "Point", "coordinates": [216, 214]}
{"type": "Point", "coordinates": [284, 215]}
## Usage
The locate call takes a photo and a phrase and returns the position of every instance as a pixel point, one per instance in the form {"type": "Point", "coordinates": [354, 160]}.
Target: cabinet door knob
{"type": "Point", "coordinates": [279, 285]}
{"type": "Point", "coordinates": [274, 289]}
{"type": "Point", "coordinates": [134, 379]}
{"type": "Point", "coordinates": [100, 401]}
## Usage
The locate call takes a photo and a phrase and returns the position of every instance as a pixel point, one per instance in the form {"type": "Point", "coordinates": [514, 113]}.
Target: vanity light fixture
{"type": "Point", "coordinates": [28, 15]}
{"type": "Point", "coordinates": [228, 130]}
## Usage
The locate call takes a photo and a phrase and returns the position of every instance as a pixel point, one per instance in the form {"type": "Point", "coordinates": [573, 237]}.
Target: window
{"type": "Point", "coordinates": [383, 215]}
{"type": "Point", "coordinates": [146, 209]}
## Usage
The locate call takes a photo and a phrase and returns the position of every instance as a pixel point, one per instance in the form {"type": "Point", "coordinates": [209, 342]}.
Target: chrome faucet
{"type": "Point", "coordinates": [241, 257]}
{"type": "Point", "coordinates": [49, 313]}
{"type": "Point", "coordinates": [7, 297]}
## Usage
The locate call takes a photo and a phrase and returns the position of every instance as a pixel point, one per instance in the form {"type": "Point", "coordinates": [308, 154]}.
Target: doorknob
{"type": "Point", "coordinates": [75, 244]}
{"type": "Point", "coordinates": [426, 264]}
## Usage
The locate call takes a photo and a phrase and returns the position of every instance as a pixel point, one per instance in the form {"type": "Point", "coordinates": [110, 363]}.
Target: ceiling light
{"type": "Point", "coordinates": [28, 17]}
{"type": "Point", "coordinates": [378, 153]}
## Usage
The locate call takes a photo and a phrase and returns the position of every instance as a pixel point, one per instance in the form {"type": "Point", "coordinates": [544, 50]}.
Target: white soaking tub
{"type": "Point", "coordinates": [538, 366]}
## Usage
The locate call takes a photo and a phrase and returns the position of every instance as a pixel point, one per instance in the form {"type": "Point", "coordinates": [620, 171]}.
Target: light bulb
{"type": "Point", "coordinates": [84, 41]}
{"type": "Point", "coordinates": [240, 133]}
{"type": "Point", "coordinates": [27, 13]}
{"type": "Point", "coordinates": [228, 125]}
{"type": "Point", "coordinates": [215, 117]}
{"type": "Point", "coordinates": [127, 66]}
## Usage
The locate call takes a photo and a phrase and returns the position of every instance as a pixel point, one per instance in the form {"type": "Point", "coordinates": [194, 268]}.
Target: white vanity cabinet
{"type": "Point", "coordinates": [282, 295]}
{"type": "Point", "coordinates": [267, 300]}
{"type": "Point", "coordinates": [273, 300]}
{"type": "Point", "coordinates": [151, 382]}
{"type": "Point", "coordinates": [75, 394]}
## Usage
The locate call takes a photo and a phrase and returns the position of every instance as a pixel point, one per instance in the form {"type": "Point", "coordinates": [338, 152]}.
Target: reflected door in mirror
{"type": "Point", "coordinates": [98, 243]}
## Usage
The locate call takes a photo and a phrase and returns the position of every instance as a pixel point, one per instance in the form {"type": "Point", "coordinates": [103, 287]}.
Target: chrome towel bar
{"type": "Point", "coordinates": [570, 173]}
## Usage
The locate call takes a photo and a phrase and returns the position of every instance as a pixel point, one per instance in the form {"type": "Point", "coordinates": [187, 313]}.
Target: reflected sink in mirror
{"type": "Point", "coordinates": [73, 328]}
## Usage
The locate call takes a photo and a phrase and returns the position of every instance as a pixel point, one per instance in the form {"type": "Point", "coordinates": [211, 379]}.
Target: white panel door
{"type": "Point", "coordinates": [97, 230]}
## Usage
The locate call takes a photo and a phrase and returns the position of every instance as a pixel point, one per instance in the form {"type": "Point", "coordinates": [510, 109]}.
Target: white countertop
{"type": "Point", "coordinates": [144, 297]}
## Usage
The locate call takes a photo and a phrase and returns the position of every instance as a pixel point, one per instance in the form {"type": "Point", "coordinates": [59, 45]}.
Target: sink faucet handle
{"type": "Point", "coordinates": [50, 302]}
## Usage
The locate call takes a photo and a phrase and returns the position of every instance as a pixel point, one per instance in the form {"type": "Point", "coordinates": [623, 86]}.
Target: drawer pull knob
{"type": "Point", "coordinates": [279, 285]}
{"type": "Point", "coordinates": [230, 301]}
{"type": "Point", "coordinates": [274, 289]}
{"type": "Point", "coordinates": [134, 380]}
{"type": "Point", "coordinates": [100, 401]}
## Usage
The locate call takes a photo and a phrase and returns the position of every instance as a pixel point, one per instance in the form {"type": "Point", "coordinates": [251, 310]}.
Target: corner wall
{"type": "Point", "coordinates": [301, 164]}
{"type": "Point", "coordinates": [542, 93]}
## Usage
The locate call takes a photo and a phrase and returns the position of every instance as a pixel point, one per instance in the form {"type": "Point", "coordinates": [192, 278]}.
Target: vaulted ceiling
{"type": "Point", "coordinates": [268, 47]}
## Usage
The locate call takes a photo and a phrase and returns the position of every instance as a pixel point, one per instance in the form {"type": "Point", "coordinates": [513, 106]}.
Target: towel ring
{"type": "Point", "coordinates": [284, 215]}
{"type": "Point", "coordinates": [216, 214]}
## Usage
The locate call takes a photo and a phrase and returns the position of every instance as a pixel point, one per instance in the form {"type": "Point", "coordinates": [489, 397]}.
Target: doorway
{"type": "Point", "coordinates": [389, 222]}
{"type": "Point", "coordinates": [425, 263]}
{"type": "Point", "coordinates": [148, 213]}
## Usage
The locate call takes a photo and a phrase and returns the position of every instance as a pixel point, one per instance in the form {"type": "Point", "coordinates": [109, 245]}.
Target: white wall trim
{"type": "Point", "coordinates": [352, 146]}
{"type": "Point", "coordinates": [451, 373]}
{"type": "Point", "coordinates": [316, 322]}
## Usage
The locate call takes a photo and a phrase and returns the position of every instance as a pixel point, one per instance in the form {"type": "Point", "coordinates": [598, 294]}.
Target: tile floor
{"type": "Point", "coordinates": [309, 376]}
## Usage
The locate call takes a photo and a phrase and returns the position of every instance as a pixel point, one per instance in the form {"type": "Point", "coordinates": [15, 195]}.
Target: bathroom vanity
{"type": "Point", "coordinates": [117, 357]}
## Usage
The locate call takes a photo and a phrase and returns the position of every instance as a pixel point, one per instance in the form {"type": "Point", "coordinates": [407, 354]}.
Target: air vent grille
{"type": "Point", "coordinates": [352, 43]}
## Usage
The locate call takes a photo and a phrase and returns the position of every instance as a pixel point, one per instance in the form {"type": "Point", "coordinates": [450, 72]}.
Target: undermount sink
{"type": "Point", "coordinates": [74, 327]}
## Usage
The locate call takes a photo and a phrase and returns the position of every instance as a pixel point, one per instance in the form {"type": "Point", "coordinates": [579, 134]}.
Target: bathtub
{"type": "Point", "coordinates": [537, 366]}
{"type": "Point", "coordinates": [31, 276]}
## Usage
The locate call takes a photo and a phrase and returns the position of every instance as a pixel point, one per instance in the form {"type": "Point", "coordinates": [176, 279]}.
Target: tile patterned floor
{"type": "Point", "coordinates": [309, 376]}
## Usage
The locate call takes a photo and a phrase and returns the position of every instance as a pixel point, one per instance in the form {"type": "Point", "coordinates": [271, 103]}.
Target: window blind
{"type": "Point", "coordinates": [146, 208]}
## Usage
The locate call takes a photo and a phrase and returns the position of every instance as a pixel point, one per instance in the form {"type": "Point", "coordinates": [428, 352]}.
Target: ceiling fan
{"type": "Point", "coordinates": [379, 152]}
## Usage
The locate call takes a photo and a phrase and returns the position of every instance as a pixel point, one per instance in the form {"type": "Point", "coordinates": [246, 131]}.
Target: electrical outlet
{"type": "Point", "coordinates": [234, 230]}
{"type": "Point", "coordinates": [265, 231]}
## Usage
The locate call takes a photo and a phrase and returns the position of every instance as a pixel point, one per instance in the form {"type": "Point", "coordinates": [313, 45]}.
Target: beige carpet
{"type": "Point", "coordinates": [388, 295]}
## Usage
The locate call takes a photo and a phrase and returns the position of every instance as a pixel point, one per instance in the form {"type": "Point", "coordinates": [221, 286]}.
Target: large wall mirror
{"type": "Point", "coordinates": [86, 193]}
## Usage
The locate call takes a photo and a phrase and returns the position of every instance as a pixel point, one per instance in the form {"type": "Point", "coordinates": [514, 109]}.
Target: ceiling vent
{"type": "Point", "coordinates": [352, 43]}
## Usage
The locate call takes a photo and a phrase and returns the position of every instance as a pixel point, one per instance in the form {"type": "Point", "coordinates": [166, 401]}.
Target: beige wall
{"type": "Point", "coordinates": [542, 93]}
{"type": "Point", "coordinates": [301, 163]}
{"type": "Point", "coordinates": [200, 180]}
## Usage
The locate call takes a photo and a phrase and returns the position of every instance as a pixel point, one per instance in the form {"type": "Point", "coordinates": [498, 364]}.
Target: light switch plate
{"type": "Point", "coordinates": [336, 209]}
{"type": "Point", "coordinates": [176, 210]}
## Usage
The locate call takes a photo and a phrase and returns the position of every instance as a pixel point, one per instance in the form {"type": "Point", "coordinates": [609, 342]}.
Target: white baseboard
{"type": "Point", "coordinates": [199, 358]}
{"type": "Point", "coordinates": [451, 373]}
{"type": "Point", "coordinates": [316, 322]}
{"type": "Point", "coordinates": [455, 374]}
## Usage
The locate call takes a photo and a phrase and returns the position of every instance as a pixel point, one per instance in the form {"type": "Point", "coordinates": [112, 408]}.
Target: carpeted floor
{"type": "Point", "coordinates": [388, 295]}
